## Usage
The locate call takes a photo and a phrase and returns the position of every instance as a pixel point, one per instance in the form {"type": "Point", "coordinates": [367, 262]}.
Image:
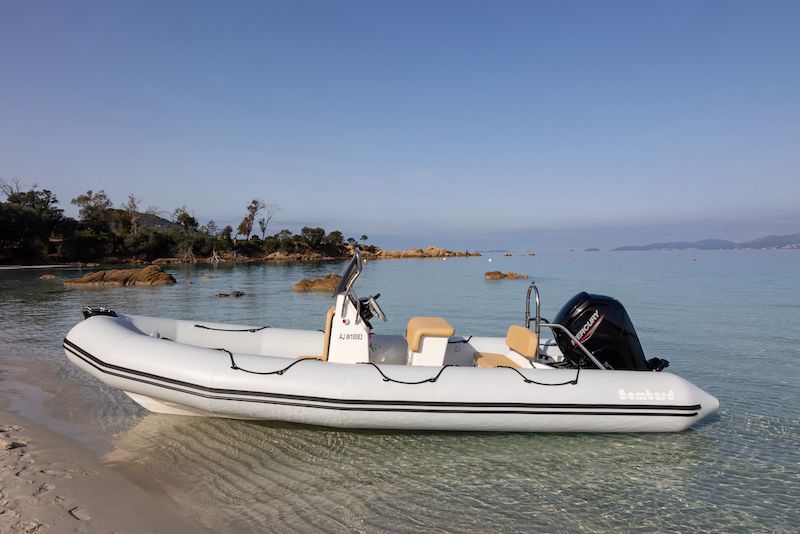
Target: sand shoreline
{"type": "Point", "coordinates": [49, 483]}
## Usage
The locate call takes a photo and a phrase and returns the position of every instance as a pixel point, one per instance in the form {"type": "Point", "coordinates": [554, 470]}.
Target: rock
{"type": "Point", "coordinates": [327, 283]}
{"type": "Point", "coordinates": [506, 254]}
{"type": "Point", "coordinates": [47, 277]}
{"type": "Point", "coordinates": [497, 275]}
{"type": "Point", "coordinates": [208, 277]}
{"type": "Point", "coordinates": [7, 443]}
{"type": "Point", "coordinates": [223, 294]}
{"type": "Point", "coordinates": [430, 252]}
{"type": "Point", "coordinates": [80, 514]}
{"type": "Point", "coordinates": [152, 275]}
{"type": "Point", "coordinates": [238, 293]}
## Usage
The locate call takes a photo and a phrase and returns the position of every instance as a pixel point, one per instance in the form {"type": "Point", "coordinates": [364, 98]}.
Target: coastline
{"type": "Point", "coordinates": [274, 257]}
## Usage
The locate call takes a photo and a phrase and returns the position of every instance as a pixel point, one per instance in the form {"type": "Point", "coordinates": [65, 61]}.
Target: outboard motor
{"type": "Point", "coordinates": [602, 325]}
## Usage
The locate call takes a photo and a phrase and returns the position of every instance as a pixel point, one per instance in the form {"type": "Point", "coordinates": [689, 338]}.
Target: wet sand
{"type": "Point", "coordinates": [51, 484]}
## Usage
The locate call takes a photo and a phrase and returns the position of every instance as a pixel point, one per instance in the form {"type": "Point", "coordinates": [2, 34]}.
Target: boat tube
{"type": "Point", "coordinates": [591, 377]}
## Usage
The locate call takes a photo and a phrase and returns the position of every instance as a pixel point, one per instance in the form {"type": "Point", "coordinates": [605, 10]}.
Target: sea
{"type": "Point", "coordinates": [728, 321]}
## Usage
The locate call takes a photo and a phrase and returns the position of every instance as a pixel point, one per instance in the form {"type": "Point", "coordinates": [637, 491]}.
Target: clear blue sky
{"type": "Point", "coordinates": [475, 123]}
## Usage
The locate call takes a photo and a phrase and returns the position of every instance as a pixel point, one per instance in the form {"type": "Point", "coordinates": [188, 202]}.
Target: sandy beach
{"type": "Point", "coordinates": [51, 484]}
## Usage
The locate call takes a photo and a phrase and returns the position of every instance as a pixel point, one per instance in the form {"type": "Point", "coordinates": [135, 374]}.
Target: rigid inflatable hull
{"type": "Point", "coordinates": [177, 378]}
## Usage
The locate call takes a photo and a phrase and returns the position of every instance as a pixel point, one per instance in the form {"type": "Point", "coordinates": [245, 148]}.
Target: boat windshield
{"type": "Point", "coordinates": [350, 274]}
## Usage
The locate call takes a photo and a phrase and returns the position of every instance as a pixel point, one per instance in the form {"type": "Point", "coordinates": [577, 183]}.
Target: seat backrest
{"type": "Point", "coordinates": [419, 327]}
{"type": "Point", "coordinates": [326, 344]}
{"type": "Point", "coordinates": [523, 341]}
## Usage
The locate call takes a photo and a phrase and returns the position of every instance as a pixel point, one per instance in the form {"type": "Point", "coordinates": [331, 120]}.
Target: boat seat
{"type": "Point", "coordinates": [523, 344]}
{"type": "Point", "coordinates": [326, 343]}
{"type": "Point", "coordinates": [487, 359]}
{"type": "Point", "coordinates": [427, 339]}
{"type": "Point", "coordinates": [419, 327]}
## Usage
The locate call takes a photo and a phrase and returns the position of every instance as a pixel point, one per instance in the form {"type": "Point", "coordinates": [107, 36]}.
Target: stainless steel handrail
{"type": "Point", "coordinates": [538, 324]}
{"type": "Point", "coordinates": [556, 326]}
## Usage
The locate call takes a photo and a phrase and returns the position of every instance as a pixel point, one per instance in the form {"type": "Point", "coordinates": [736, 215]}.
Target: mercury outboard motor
{"type": "Point", "coordinates": [602, 325]}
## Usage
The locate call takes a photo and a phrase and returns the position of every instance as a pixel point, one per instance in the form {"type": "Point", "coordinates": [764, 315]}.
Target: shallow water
{"type": "Point", "coordinates": [726, 320]}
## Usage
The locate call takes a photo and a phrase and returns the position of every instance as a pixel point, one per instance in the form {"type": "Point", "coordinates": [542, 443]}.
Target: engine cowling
{"type": "Point", "coordinates": [603, 326]}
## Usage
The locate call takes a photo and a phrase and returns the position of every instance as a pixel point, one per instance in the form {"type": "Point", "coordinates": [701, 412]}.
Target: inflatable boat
{"type": "Point", "coordinates": [591, 376]}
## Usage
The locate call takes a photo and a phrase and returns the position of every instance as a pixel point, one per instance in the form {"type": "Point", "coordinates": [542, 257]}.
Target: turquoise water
{"type": "Point", "coordinates": [726, 320]}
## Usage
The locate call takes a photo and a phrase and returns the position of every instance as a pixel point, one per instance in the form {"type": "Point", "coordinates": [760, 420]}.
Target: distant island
{"type": "Point", "coordinates": [591, 249]}
{"type": "Point", "coordinates": [791, 241]}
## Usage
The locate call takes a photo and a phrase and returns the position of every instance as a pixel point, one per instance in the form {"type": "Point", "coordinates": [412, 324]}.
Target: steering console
{"type": "Point", "coordinates": [370, 308]}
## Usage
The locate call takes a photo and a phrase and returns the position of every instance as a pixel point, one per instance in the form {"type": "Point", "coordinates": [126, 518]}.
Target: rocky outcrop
{"type": "Point", "coordinates": [430, 252]}
{"type": "Point", "coordinates": [47, 277]}
{"type": "Point", "coordinates": [168, 261]}
{"type": "Point", "coordinates": [152, 275]}
{"type": "Point", "coordinates": [497, 275]}
{"type": "Point", "coordinates": [327, 283]}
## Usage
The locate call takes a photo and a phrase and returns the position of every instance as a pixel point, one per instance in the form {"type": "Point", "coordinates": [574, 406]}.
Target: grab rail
{"type": "Point", "coordinates": [538, 324]}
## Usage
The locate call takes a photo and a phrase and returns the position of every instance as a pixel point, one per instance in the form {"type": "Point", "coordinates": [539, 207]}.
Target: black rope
{"type": "Point", "coordinates": [462, 340]}
{"type": "Point", "coordinates": [527, 380]}
{"type": "Point", "coordinates": [231, 329]}
{"type": "Point", "coordinates": [278, 372]}
{"type": "Point", "coordinates": [387, 379]}
{"type": "Point", "coordinates": [431, 380]}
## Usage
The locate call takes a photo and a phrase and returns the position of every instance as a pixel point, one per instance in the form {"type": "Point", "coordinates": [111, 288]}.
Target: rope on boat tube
{"type": "Point", "coordinates": [252, 330]}
{"type": "Point", "coordinates": [431, 380]}
{"type": "Point", "coordinates": [573, 382]}
{"type": "Point", "coordinates": [462, 340]}
{"type": "Point", "coordinates": [278, 372]}
{"type": "Point", "coordinates": [387, 379]}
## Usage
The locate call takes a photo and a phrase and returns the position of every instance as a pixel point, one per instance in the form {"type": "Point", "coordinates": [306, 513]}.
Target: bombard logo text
{"type": "Point", "coordinates": [646, 395]}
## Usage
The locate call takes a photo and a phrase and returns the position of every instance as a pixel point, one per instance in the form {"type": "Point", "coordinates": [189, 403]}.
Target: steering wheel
{"type": "Point", "coordinates": [372, 302]}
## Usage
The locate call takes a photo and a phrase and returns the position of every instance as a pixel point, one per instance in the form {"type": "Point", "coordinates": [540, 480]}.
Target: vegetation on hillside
{"type": "Point", "coordinates": [33, 229]}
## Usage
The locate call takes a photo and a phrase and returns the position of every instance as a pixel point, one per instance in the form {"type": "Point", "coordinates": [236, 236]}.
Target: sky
{"type": "Point", "coordinates": [465, 124]}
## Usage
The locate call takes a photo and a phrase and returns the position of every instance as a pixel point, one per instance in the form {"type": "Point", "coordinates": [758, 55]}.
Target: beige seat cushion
{"type": "Point", "coordinates": [487, 359]}
{"type": "Point", "coordinates": [426, 326]}
{"type": "Point", "coordinates": [326, 343]}
{"type": "Point", "coordinates": [523, 341]}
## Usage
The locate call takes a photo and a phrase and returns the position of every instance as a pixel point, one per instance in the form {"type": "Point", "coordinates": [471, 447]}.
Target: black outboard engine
{"type": "Point", "coordinates": [602, 325]}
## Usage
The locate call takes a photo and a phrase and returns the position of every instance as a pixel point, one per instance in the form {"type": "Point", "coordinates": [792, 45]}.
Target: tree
{"type": "Point", "coordinates": [271, 211]}
{"type": "Point", "coordinates": [182, 217]}
{"type": "Point", "coordinates": [364, 238]}
{"type": "Point", "coordinates": [312, 237]}
{"type": "Point", "coordinates": [227, 233]}
{"type": "Point", "coordinates": [43, 202]}
{"type": "Point", "coordinates": [131, 209]}
{"type": "Point", "coordinates": [255, 207]}
{"type": "Point", "coordinates": [334, 242]}
{"type": "Point", "coordinates": [211, 228]}
{"type": "Point", "coordinates": [94, 209]}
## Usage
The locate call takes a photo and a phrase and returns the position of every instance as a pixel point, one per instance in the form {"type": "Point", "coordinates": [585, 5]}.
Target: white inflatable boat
{"type": "Point", "coordinates": [591, 377]}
